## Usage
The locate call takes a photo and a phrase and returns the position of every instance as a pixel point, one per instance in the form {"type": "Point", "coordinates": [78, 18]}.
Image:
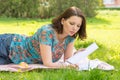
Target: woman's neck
{"type": "Point", "coordinates": [60, 37]}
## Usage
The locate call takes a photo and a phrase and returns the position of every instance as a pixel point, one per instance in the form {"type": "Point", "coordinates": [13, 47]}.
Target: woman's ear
{"type": "Point", "coordinates": [62, 21]}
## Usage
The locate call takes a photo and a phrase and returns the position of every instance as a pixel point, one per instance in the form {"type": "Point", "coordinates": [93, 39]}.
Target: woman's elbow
{"type": "Point", "coordinates": [48, 64]}
{"type": "Point", "coordinates": [51, 64]}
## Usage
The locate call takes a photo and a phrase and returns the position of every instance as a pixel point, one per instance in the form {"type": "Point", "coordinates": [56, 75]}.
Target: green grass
{"type": "Point", "coordinates": [21, 26]}
{"type": "Point", "coordinates": [104, 29]}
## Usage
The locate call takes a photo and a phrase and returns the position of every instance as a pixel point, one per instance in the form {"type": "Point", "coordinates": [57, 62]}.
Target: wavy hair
{"type": "Point", "coordinates": [72, 11]}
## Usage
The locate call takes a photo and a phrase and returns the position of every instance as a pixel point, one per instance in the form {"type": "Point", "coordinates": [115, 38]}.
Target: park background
{"type": "Point", "coordinates": [103, 27]}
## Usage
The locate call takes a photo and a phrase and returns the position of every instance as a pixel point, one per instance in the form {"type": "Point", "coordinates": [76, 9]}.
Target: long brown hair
{"type": "Point", "coordinates": [72, 11]}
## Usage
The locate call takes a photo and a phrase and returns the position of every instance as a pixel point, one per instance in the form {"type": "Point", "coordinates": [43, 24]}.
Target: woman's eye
{"type": "Point", "coordinates": [78, 25]}
{"type": "Point", "coordinates": [71, 23]}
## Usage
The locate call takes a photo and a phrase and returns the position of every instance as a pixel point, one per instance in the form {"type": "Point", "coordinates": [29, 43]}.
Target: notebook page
{"type": "Point", "coordinates": [83, 54]}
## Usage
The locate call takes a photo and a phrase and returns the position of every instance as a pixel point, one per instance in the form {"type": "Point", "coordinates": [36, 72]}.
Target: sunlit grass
{"type": "Point", "coordinates": [106, 19]}
{"type": "Point", "coordinates": [21, 26]}
{"type": "Point", "coordinates": [104, 29]}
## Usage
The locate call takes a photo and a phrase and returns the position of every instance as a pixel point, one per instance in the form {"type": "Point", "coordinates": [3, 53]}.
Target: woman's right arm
{"type": "Point", "coordinates": [46, 55]}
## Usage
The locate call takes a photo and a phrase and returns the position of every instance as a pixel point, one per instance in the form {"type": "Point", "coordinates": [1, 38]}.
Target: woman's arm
{"type": "Point", "coordinates": [69, 51]}
{"type": "Point", "coordinates": [46, 54]}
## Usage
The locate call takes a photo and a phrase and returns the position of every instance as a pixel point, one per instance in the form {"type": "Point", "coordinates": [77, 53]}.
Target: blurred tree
{"type": "Point", "coordinates": [19, 8]}
{"type": "Point", "coordinates": [87, 6]}
{"type": "Point", "coordinates": [101, 3]}
{"type": "Point", "coordinates": [45, 8]}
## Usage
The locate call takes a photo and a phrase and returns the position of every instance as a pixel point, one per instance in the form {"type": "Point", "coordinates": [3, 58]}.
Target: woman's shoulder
{"type": "Point", "coordinates": [70, 39]}
{"type": "Point", "coordinates": [47, 28]}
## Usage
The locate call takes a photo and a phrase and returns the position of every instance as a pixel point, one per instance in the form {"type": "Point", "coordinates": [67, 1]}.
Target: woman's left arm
{"type": "Point", "coordinates": [69, 51]}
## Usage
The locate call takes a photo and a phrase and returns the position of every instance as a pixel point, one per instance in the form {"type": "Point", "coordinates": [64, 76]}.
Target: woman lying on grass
{"type": "Point", "coordinates": [48, 44]}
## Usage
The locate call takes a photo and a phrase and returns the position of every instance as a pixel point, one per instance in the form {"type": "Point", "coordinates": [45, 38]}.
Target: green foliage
{"type": "Point", "coordinates": [90, 7]}
{"type": "Point", "coordinates": [87, 6]}
{"type": "Point", "coordinates": [19, 8]}
{"type": "Point", "coordinates": [101, 3]}
{"type": "Point", "coordinates": [44, 8]}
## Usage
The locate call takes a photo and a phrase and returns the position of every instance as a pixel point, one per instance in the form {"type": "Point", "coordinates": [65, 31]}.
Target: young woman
{"type": "Point", "coordinates": [48, 44]}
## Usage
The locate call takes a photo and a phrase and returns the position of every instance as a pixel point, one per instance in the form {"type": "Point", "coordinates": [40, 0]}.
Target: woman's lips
{"type": "Point", "coordinates": [72, 32]}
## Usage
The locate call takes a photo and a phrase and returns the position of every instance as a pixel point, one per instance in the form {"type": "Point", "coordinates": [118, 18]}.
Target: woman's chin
{"type": "Point", "coordinates": [71, 34]}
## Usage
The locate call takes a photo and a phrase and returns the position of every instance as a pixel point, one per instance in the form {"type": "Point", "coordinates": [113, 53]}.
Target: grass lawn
{"type": "Point", "coordinates": [104, 29]}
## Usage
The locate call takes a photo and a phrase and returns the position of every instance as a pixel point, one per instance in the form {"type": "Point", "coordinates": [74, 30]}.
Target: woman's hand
{"type": "Point", "coordinates": [74, 66]}
{"type": "Point", "coordinates": [70, 65]}
{"type": "Point", "coordinates": [81, 49]}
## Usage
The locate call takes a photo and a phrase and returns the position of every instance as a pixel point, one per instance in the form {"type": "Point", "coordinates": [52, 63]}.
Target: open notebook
{"type": "Point", "coordinates": [83, 54]}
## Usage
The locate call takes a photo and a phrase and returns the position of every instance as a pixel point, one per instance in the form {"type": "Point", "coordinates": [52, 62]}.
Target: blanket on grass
{"type": "Point", "coordinates": [18, 68]}
{"type": "Point", "coordinates": [84, 64]}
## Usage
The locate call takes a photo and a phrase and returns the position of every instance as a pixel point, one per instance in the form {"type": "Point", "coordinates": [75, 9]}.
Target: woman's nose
{"type": "Point", "coordinates": [75, 27]}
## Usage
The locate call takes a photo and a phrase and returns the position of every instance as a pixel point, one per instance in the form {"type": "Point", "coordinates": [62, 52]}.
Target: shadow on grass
{"type": "Point", "coordinates": [15, 20]}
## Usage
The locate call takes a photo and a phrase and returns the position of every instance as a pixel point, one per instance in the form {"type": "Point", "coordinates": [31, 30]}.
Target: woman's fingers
{"type": "Point", "coordinates": [81, 49]}
{"type": "Point", "coordinates": [75, 66]}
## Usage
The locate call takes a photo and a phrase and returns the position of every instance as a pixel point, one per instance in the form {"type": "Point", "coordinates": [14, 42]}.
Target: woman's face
{"type": "Point", "coordinates": [71, 25]}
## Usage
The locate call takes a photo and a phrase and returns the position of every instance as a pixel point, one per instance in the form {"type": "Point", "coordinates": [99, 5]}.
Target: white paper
{"type": "Point", "coordinates": [75, 59]}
